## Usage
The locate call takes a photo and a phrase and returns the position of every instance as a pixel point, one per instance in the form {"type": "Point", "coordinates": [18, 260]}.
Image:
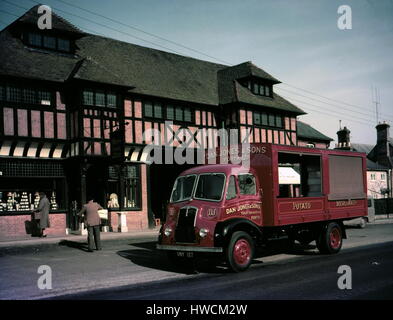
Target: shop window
{"type": "Point", "coordinates": [132, 187]}
{"type": "Point", "coordinates": [247, 184]}
{"type": "Point", "coordinates": [299, 175]}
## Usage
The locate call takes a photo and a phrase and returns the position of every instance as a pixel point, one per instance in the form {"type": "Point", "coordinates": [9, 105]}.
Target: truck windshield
{"type": "Point", "coordinates": [182, 188]}
{"type": "Point", "coordinates": [210, 186]}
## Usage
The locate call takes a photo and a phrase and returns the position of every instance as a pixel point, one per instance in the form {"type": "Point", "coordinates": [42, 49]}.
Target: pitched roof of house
{"type": "Point", "coordinates": [58, 23]}
{"type": "Point", "coordinates": [143, 70]}
{"type": "Point", "coordinates": [305, 131]}
{"type": "Point", "coordinates": [367, 148]}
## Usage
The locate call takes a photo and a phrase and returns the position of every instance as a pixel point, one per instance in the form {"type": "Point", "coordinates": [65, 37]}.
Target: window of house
{"type": "Point", "coordinates": [383, 176]}
{"type": "Point", "coordinates": [373, 176]}
{"type": "Point", "coordinates": [35, 39]}
{"type": "Point", "coordinates": [187, 115]}
{"type": "Point", "coordinates": [170, 112]}
{"type": "Point", "coordinates": [258, 88]}
{"type": "Point", "coordinates": [49, 42]}
{"type": "Point", "coordinates": [111, 100]}
{"type": "Point", "coordinates": [267, 91]}
{"type": "Point", "coordinates": [44, 97]}
{"type": "Point", "coordinates": [247, 184]}
{"type": "Point", "coordinates": [88, 98]}
{"type": "Point", "coordinates": [179, 114]}
{"type": "Point", "coordinates": [264, 119]}
{"type": "Point", "coordinates": [100, 99]}
{"type": "Point", "coordinates": [63, 45]}
{"type": "Point", "coordinates": [2, 94]}
{"type": "Point", "coordinates": [152, 110]}
{"type": "Point", "coordinates": [157, 110]}
{"type": "Point", "coordinates": [29, 96]}
{"type": "Point", "coordinates": [231, 191]}
{"type": "Point", "coordinates": [13, 94]}
{"type": "Point", "coordinates": [267, 119]}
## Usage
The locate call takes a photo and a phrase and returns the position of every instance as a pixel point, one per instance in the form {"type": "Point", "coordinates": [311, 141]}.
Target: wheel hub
{"type": "Point", "coordinates": [242, 252]}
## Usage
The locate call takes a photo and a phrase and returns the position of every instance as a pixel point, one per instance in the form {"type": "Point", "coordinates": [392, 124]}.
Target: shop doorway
{"type": "Point", "coordinates": [162, 177]}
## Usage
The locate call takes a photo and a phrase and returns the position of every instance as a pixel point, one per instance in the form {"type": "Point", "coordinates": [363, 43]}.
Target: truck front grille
{"type": "Point", "coordinates": [185, 228]}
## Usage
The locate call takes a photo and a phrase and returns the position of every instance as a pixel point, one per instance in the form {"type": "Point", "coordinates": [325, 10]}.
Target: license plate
{"type": "Point", "coordinates": [185, 254]}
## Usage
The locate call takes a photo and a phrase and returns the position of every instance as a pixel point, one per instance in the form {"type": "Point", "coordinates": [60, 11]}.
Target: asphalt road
{"type": "Point", "coordinates": [133, 269]}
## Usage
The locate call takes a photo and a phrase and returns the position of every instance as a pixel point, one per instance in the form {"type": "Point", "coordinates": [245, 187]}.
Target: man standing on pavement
{"type": "Point", "coordinates": [93, 221]}
{"type": "Point", "coordinates": [41, 214]}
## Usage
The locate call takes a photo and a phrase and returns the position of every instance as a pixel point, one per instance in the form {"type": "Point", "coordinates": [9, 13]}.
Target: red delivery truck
{"type": "Point", "coordinates": [298, 193]}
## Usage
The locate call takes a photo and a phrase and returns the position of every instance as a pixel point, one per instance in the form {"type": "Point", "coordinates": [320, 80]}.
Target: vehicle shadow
{"type": "Point", "coordinates": [146, 255]}
{"type": "Point", "coordinates": [74, 244]}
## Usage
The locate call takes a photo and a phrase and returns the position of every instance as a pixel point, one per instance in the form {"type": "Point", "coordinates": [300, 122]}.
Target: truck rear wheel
{"type": "Point", "coordinates": [240, 251]}
{"type": "Point", "coordinates": [330, 239]}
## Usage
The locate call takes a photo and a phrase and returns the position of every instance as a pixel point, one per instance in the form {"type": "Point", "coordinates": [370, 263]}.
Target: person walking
{"type": "Point", "coordinates": [41, 214]}
{"type": "Point", "coordinates": [92, 221]}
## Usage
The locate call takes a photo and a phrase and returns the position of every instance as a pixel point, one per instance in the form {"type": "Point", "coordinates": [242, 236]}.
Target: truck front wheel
{"type": "Point", "coordinates": [330, 239]}
{"type": "Point", "coordinates": [240, 251]}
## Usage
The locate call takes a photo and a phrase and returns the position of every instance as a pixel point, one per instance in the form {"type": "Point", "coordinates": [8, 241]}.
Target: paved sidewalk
{"type": "Point", "coordinates": [105, 236]}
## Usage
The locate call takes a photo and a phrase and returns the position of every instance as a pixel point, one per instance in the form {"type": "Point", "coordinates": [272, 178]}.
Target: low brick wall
{"type": "Point", "coordinates": [136, 220]}
{"type": "Point", "coordinates": [13, 226]}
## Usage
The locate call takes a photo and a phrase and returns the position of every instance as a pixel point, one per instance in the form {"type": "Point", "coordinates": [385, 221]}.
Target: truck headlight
{"type": "Point", "coordinates": [203, 232]}
{"type": "Point", "coordinates": [168, 231]}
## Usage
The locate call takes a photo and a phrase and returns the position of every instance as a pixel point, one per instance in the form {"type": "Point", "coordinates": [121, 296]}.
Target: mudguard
{"type": "Point", "coordinates": [224, 230]}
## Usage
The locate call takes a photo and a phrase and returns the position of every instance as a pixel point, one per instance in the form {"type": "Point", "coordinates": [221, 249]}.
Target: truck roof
{"type": "Point", "coordinates": [217, 168]}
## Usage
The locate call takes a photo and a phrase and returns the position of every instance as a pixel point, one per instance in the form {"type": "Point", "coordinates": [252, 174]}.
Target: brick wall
{"type": "Point", "coordinates": [13, 227]}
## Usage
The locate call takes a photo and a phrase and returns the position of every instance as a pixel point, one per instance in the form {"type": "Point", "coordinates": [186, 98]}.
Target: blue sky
{"type": "Point", "coordinates": [297, 42]}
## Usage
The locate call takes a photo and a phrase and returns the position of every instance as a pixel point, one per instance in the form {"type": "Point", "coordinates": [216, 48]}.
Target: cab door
{"type": "Point", "coordinates": [249, 204]}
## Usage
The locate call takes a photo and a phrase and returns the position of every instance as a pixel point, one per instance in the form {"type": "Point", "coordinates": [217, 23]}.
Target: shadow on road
{"type": "Point", "coordinates": [74, 244]}
{"type": "Point", "coordinates": [146, 255]}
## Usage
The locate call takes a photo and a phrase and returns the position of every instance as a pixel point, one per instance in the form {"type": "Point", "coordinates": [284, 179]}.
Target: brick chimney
{"type": "Point", "coordinates": [344, 142]}
{"type": "Point", "coordinates": [383, 155]}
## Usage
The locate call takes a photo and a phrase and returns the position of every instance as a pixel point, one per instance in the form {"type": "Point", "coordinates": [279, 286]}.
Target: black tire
{"type": "Point", "coordinates": [240, 251]}
{"type": "Point", "coordinates": [330, 239]}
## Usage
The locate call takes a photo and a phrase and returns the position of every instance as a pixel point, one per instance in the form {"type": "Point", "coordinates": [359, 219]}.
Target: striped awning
{"type": "Point", "coordinates": [136, 154]}
{"type": "Point", "coordinates": [22, 149]}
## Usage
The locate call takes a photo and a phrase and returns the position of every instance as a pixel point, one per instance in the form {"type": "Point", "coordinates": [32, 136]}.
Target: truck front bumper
{"type": "Point", "coordinates": [188, 248]}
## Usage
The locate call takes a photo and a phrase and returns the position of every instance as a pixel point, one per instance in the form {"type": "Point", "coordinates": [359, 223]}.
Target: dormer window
{"type": "Point", "coordinates": [259, 88]}
{"type": "Point", "coordinates": [39, 40]}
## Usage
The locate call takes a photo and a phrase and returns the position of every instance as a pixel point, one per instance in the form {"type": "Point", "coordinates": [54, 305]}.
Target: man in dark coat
{"type": "Point", "coordinates": [93, 221]}
{"type": "Point", "coordinates": [42, 214]}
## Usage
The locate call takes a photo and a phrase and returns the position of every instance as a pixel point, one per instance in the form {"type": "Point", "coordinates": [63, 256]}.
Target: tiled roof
{"type": "Point", "coordinates": [305, 131]}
